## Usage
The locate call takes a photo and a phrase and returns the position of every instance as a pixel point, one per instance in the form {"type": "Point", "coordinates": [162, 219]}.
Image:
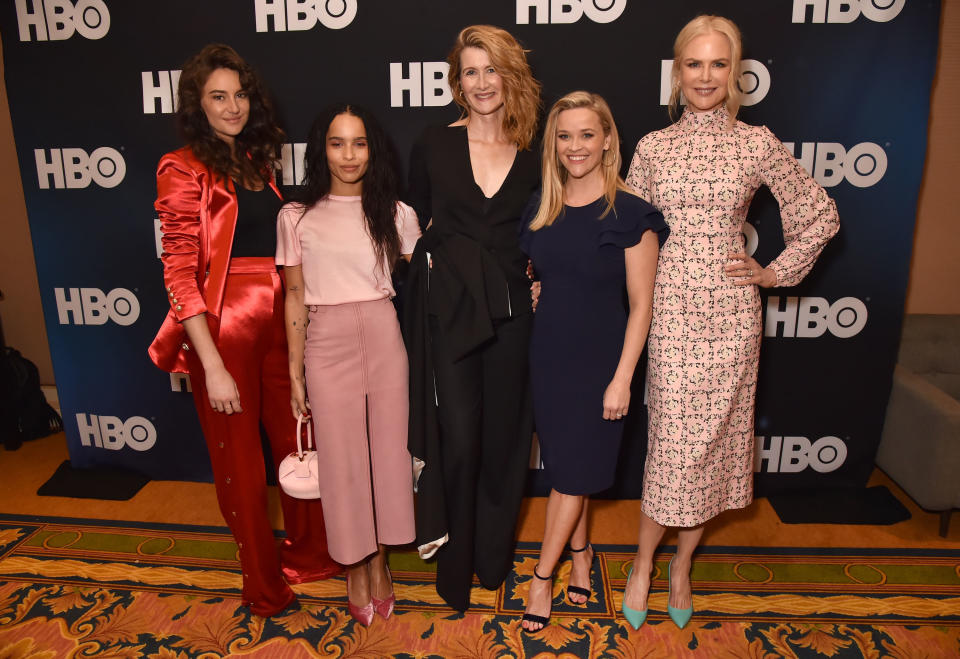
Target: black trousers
{"type": "Point", "coordinates": [486, 426]}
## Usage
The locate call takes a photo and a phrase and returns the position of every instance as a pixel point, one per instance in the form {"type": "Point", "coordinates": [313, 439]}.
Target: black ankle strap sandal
{"type": "Point", "coordinates": [529, 617]}
{"type": "Point", "coordinates": [577, 590]}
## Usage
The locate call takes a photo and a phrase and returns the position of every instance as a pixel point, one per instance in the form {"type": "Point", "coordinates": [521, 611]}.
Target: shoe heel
{"type": "Point", "coordinates": [384, 607]}
{"type": "Point", "coordinates": [634, 617]}
{"type": "Point", "coordinates": [362, 614]}
{"type": "Point", "coordinates": [680, 617]}
{"type": "Point", "coordinates": [543, 621]}
{"type": "Point", "coordinates": [577, 590]}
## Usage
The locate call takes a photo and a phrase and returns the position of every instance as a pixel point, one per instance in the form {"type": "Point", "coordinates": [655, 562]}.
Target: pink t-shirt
{"type": "Point", "coordinates": [331, 242]}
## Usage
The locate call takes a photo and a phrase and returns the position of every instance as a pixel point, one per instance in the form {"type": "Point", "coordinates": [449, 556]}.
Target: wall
{"type": "Point", "coordinates": [934, 275]}
{"type": "Point", "coordinates": [935, 269]}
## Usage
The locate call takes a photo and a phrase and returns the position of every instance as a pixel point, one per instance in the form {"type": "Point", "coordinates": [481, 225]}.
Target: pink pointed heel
{"type": "Point", "coordinates": [384, 607]}
{"type": "Point", "coordinates": [362, 614]}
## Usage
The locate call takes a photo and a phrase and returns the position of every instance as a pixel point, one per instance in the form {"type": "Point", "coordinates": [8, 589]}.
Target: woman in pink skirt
{"type": "Point", "coordinates": [338, 244]}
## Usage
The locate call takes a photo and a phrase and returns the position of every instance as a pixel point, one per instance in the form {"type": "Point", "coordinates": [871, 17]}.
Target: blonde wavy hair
{"type": "Point", "coordinates": [553, 173]}
{"type": "Point", "coordinates": [705, 24]}
{"type": "Point", "coordinates": [521, 91]}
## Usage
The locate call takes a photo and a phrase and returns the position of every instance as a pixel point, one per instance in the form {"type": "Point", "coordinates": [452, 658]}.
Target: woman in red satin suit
{"type": "Point", "coordinates": [217, 203]}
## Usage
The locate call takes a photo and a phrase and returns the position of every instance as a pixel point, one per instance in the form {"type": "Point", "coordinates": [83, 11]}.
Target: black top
{"type": "Point", "coordinates": [477, 278]}
{"type": "Point", "coordinates": [256, 232]}
{"type": "Point", "coordinates": [442, 187]}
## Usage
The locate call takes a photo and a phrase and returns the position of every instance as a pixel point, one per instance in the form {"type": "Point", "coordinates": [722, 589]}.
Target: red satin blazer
{"type": "Point", "coordinates": [198, 215]}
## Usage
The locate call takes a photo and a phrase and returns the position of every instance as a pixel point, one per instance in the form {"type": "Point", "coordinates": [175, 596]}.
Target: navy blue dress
{"type": "Point", "coordinates": [578, 334]}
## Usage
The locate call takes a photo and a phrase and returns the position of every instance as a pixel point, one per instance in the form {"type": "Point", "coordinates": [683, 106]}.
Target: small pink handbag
{"type": "Point", "coordinates": [298, 474]}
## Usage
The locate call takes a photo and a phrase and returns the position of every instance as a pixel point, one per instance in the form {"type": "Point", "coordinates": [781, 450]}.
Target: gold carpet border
{"type": "Point", "coordinates": [903, 601]}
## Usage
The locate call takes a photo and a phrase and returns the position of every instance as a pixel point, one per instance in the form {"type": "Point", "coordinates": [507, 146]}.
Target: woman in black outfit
{"type": "Point", "coordinates": [470, 416]}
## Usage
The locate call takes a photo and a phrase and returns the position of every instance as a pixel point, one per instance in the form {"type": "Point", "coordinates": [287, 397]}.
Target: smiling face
{"type": "Point", "coordinates": [705, 66]}
{"type": "Point", "coordinates": [581, 142]}
{"type": "Point", "coordinates": [225, 103]}
{"type": "Point", "coordinates": [481, 84]}
{"type": "Point", "coordinates": [347, 154]}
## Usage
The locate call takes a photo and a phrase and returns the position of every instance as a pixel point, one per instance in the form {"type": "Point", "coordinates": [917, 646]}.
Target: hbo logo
{"type": "Point", "coordinates": [73, 168]}
{"type": "Point", "coordinates": [810, 317]}
{"type": "Point", "coordinates": [291, 163]}
{"type": "Point", "coordinates": [847, 11]}
{"type": "Point", "coordinates": [298, 15]}
{"type": "Point", "coordinates": [863, 165]}
{"type": "Point", "coordinates": [59, 19]}
{"type": "Point", "coordinates": [90, 306]}
{"type": "Point", "coordinates": [569, 11]}
{"type": "Point", "coordinates": [164, 90]}
{"type": "Point", "coordinates": [111, 433]}
{"type": "Point", "coordinates": [754, 81]}
{"type": "Point", "coordinates": [788, 455]}
{"type": "Point", "coordinates": [425, 83]}
{"type": "Point", "coordinates": [180, 382]}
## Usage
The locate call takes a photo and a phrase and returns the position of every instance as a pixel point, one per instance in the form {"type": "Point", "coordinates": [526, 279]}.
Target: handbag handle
{"type": "Point", "coordinates": [300, 421]}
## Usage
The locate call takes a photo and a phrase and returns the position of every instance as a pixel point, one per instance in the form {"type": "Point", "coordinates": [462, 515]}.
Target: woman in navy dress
{"type": "Point", "coordinates": [589, 239]}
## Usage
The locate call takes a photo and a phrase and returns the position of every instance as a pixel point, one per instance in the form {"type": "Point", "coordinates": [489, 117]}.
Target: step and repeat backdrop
{"type": "Point", "coordinates": [92, 89]}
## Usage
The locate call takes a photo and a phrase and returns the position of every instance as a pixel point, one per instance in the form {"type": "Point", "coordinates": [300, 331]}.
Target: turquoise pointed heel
{"type": "Point", "coordinates": [680, 617]}
{"type": "Point", "coordinates": [634, 617]}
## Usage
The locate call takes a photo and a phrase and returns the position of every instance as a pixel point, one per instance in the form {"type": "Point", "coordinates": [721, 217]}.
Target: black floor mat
{"type": "Point", "coordinates": [109, 483]}
{"type": "Point", "coordinates": [872, 505]}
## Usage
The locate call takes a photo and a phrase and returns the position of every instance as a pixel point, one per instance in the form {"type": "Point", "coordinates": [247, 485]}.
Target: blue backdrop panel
{"type": "Point", "coordinates": [92, 84]}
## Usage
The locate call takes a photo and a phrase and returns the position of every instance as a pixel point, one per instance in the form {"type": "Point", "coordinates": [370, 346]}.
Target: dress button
{"type": "Point", "coordinates": [240, 545]}
{"type": "Point", "coordinates": [168, 288]}
{"type": "Point", "coordinates": [221, 443]}
{"type": "Point", "coordinates": [174, 300]}
{"type": "Point", "coordinates": [179, 307]}
{"type": "Point", "coordinates": [171, 292]}
{"type": "Point", "coordinates": [228, 480]}
{"type": "Point", "coordinates": [234, 513]}
{"type": "Point", "coordinates": [184, 346]}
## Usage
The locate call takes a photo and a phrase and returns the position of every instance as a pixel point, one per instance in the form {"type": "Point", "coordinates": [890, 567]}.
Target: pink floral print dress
{"type": "Point", "coordinates": [704, 343]}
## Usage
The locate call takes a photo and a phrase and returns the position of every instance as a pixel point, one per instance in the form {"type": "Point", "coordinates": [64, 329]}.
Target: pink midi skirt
{"type": "Point", "coordinates": [356, 372]}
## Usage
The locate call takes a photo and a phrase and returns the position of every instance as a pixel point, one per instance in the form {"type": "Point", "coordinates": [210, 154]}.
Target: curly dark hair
{"type": "Point", "coordinates": [260, 138]}
{"type": "Point", "coordinates": [380, 192]}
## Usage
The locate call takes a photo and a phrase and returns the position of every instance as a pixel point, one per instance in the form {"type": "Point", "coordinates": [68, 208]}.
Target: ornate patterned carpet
{"type": "Point", "coordinates": [82, 588]}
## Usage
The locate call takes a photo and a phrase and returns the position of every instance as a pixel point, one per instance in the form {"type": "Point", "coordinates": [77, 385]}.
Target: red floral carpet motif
{"type": "Point", "coordinates": [79, 588]}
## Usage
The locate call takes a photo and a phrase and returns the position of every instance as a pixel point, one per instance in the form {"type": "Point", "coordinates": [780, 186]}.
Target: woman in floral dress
{"type": "Point", "coordinates": [701, 173]}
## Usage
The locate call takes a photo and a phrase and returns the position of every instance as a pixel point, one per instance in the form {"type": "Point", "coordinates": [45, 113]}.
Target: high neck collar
{"type": "Point", "coordinates": [712, 121]}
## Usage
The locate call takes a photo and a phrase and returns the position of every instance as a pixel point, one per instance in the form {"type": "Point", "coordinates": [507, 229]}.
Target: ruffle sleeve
{"type": "Point", "coordinates": [632, 219]}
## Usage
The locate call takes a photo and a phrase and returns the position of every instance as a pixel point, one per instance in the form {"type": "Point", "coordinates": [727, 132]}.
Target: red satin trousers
{"type": "Point", "coordinates": [253, 346]}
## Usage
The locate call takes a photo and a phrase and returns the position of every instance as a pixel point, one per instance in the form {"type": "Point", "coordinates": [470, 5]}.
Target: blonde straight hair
{"type": "Point", "coordinates": [554, 174]}
{"type": "Point", "coordinates": [705, 24]}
